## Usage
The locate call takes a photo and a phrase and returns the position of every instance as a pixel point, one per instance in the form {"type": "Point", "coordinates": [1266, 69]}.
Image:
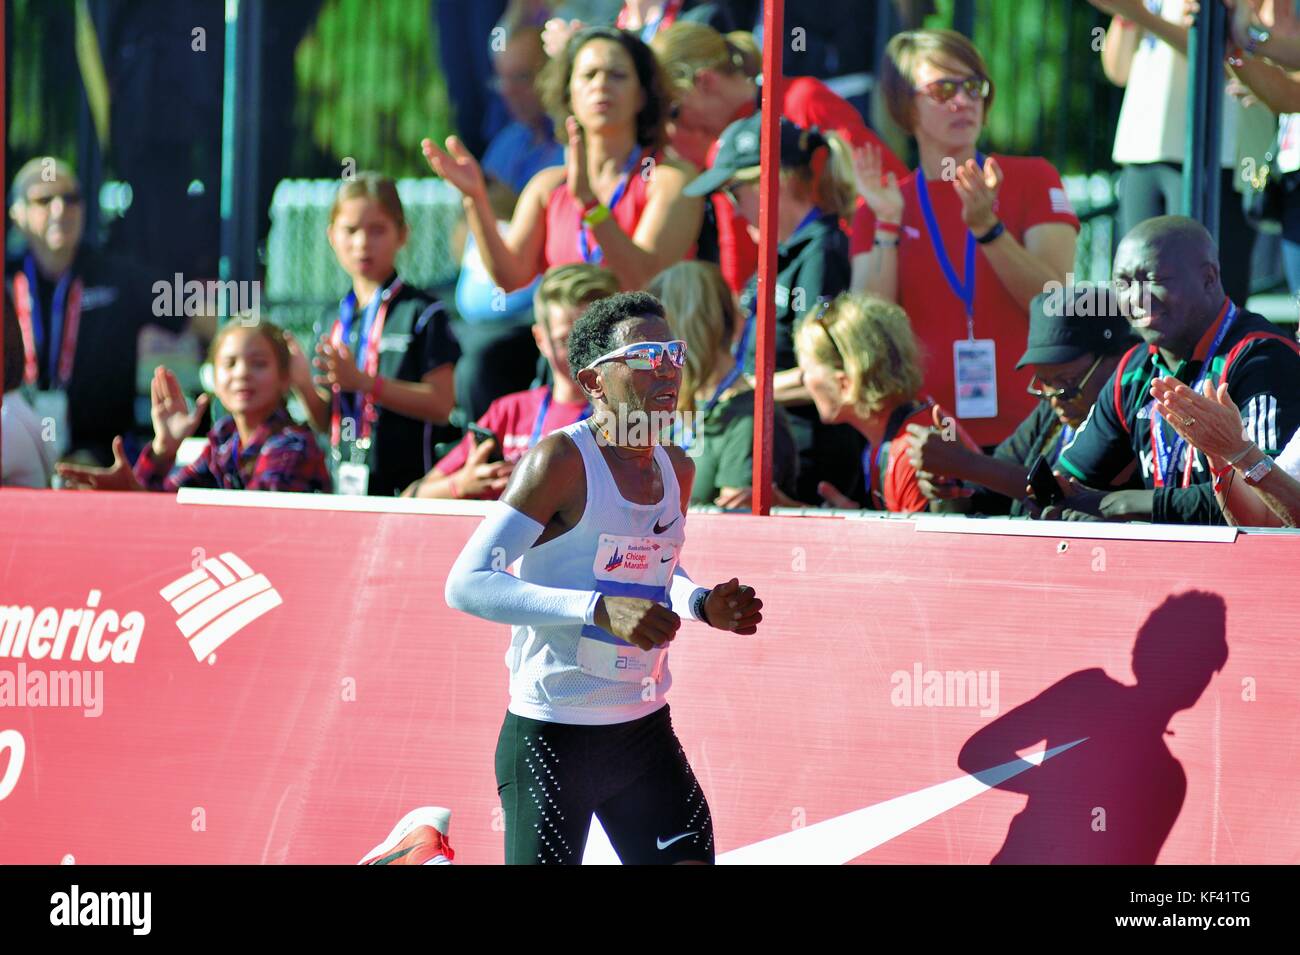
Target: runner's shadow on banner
{"type": "Point", "coordinates": [1113, 798]}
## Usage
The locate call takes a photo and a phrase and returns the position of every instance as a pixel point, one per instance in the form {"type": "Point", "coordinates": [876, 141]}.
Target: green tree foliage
{"type": "Point", "coordinates": [370, 86]}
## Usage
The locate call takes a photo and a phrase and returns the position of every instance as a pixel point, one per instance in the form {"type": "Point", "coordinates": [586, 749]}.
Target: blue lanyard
{"type": "Point", "coordinates": [892, 428]}
{"type": "Point", "coordinates": [751, 318]}
{"type": "Point", "coordinates": [56, 319]}
{"type": "Point", "coordinates": [541, 418]}
{"type": "Point", "coordinates": [964, 290]}
{"type": "Point", "coordinates": [1167, 456]}
{"type": "Point", "coordinates": [882, 459]}
{"type": "Point", "coordinates": [351, 401]}
{"type": "Point", "coordinates": [1065, 436]}
{"type": "Point", "coordinates": [597, 255]}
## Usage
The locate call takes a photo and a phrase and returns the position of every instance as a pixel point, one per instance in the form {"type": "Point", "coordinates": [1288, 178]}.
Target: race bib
{"type": "Point", "coordinates": [51, 408]}
{"type": "Point", "coordinates": [975, 376]}
{"type": "Point", "coordinates": [628, 567]}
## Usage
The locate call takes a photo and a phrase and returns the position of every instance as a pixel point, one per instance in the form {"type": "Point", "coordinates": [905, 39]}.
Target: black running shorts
{"type": "Point", "coordinates": [552, 777]}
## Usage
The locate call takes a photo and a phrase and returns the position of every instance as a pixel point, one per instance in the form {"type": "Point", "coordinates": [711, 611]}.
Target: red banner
{"type": "Point", "coordinates": [226, 683]}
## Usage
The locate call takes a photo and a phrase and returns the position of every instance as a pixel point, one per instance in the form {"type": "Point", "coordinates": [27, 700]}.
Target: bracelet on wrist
{"type": "Point", "coordinates": [993, 234]}
{"type": "Point", "coordinates": [885, 243]}
{"type": "Point", "coordinates": [893, 228]}
{"type": "Point", "coordinates": [598, 214]}
{"type": "Point", "coordinates": [1242, 454]}
{"type": "Point", "coordinates": [455, 487]}
{"type": "Point", "coordinates": [377, 389]}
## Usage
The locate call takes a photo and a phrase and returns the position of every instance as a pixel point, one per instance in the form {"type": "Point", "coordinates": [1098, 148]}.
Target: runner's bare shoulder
{"type": "Point", "coordinates": [548, 480]}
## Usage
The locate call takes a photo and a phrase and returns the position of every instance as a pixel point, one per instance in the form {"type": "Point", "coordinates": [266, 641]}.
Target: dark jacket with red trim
{"type": "Point", "coordinates": [1262, 368]}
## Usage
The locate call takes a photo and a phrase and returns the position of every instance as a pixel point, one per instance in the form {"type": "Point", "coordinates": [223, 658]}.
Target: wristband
{"type": "Point", "coordinates": [893, 228]}
{"type": "Point", "coordinates": [992, 234]}
{"type": "Point", "coordinates": [697, 604]}
{"type": "Point", "coordinates": [596, 216]}
{"type": "Point", "coordinates": [1125, 23]}
{"type": "Point", "coordinates": [377, 390]}
{"type": "Point", "coordinates": [455, 487]}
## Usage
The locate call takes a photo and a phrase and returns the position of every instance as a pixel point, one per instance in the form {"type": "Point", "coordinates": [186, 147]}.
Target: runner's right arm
{"type": "Point", "coordinates": [545, 498]}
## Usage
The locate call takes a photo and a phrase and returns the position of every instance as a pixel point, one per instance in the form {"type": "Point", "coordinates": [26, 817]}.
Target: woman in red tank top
{"type": "Point", "coordinates": [617, 202]}
{"type": "Point", "coordinates": [712, 79]}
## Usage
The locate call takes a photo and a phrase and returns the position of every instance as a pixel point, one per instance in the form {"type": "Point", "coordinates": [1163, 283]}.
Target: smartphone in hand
{"type": "Point", "coordinates": [483, 434]}
{"type": "Point", "coordinates": [1044, 488]}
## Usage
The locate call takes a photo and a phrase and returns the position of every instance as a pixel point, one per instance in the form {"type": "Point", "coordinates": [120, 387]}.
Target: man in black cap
{"type": "Point", "coordinates": [1167, 276]}
{"type": "Point", "coordinates": [1076, 337]}
{"type": "Point", "coordinates": [812, 266]}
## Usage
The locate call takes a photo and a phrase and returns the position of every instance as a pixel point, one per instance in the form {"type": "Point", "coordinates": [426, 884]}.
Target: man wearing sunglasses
{"type": "Point", "coordinates": [80, 314]}
{"type": "Point", "coordinates": [595, 517]}
{"type": "Point", "coordinates": [1076, 337]}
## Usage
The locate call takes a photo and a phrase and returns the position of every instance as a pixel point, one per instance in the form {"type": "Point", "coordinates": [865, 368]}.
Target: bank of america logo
{"type": "Point", "coordinates": [217, 600]}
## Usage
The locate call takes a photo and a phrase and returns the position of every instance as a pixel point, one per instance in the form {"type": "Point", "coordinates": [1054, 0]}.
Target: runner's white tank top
{"type": "Point", "coordinates": [573, 673]}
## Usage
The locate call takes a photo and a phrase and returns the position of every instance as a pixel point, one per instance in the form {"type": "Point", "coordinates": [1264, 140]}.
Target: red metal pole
{"type": "Point", "coordinates": [765, 357]}
{"type": "Point", "coordinates": [4, 137]}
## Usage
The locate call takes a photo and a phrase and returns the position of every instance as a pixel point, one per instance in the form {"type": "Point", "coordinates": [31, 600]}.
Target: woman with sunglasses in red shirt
{"type": "Point", "coordinates": [967, 240]}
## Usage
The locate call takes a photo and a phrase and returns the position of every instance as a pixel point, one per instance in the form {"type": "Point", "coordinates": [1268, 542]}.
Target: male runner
{"type": "Point", "coordinates": [596, 511]}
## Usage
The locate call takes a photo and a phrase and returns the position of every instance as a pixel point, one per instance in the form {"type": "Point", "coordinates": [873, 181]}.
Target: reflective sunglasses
{"type": "Point", "coordinates": [69, 199]}
{"type": "Point", "coordinates": [975, 87]}
{"type": "Point", "coordinates": [646, 356]}
{"type": "Point", "coordinates": [1068, 393]}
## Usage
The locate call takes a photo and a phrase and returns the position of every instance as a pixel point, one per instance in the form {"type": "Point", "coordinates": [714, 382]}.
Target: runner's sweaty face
{"type": "Point", "coordinates": [630, 394]}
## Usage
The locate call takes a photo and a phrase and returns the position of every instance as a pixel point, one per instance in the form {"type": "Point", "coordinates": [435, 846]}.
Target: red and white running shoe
{"type": "Point", "coordinates": [420, 838]}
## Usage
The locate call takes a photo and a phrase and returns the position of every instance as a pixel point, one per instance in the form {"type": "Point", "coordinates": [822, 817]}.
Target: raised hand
{"type": "Point", "coordinates": [576, 164]}
{"type": "Point", "coordinates": [1208, 420]}
{"type": "Point", "coordinates": [880, 191]}
{"type": "Point", "coordinates": [457, 166]}
{"type": "Point", "coordinates": [733, 606]}
{"type": "Point", "coordinates": [299, 366]}
{"type": "Point", "coordinates": [338, 368]}
{"type": "Point", "coordinates": [119, 477]}
{"type": "Point", "coordinates": [173, 421]}
{"type": "Point", "coordinates": [978, 191]}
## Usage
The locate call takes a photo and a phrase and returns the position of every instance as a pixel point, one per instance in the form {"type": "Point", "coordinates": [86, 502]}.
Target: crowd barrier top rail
{"type": "Point", "coordinates": [923, 523]}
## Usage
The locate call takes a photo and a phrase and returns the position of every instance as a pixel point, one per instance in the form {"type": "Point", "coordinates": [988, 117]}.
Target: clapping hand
{"type": "Point", "coordinates": [978, 190]}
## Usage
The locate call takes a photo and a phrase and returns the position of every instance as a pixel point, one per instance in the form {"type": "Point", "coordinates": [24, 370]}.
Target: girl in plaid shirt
{"type": "Point", "coordinates": [256, 447]}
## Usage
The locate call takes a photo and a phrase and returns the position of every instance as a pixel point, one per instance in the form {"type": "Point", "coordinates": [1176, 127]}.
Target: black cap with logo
{"type": "Point", "coordinates": [738, 149]}
{"type": "Point", "coordinates": [1074, 320]}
